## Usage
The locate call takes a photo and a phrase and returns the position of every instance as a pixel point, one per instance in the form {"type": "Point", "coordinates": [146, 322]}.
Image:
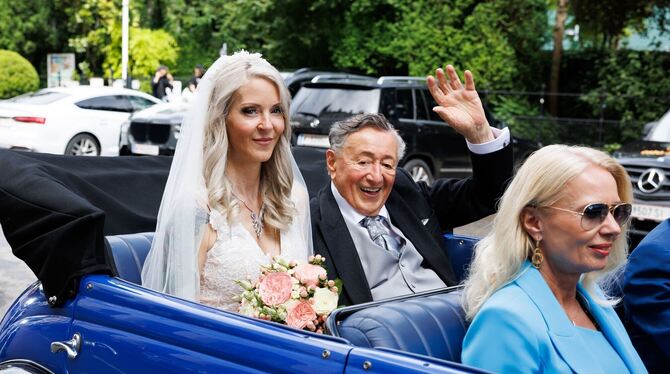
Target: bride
{"type": "Point", "coordinates": [234, 197]}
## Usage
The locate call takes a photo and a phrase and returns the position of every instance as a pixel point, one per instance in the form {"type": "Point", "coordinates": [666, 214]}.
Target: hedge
{"type": "Point", "coordinates": [17, 75]}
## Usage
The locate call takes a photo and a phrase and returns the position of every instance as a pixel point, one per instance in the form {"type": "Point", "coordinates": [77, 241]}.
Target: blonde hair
{"type": "Point", "coordinates": [540, 181]}
{"type": "Point", "coordinates": [277, 172]}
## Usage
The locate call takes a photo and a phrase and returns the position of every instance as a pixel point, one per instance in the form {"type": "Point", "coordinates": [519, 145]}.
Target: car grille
{"type": "Point", "coordinates": [662, 194]}
{"type": "Point", "coordinates": [150, 132]}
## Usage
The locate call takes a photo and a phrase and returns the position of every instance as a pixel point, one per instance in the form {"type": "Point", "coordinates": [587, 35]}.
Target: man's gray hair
{"type": "Point", "coordinates": [339, 131]}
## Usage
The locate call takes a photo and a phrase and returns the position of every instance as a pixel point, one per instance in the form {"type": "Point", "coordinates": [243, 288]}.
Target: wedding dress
{"type": "Point", "coordinates": [171, 266]}
{"type": "Point", "coordinates": [237, 256]}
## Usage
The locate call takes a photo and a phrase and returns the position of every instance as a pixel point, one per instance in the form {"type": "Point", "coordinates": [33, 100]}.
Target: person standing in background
{"type": "Point", "coordinates": [198, 72]}
{"type": "Point", "coordinates": [161, 82]}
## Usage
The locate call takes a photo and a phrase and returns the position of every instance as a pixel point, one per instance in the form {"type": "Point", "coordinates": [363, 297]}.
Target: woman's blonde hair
{"type": "Point", "coordinates": [277, 172]}
{"type": "Point", "coordinates": [540, 181]}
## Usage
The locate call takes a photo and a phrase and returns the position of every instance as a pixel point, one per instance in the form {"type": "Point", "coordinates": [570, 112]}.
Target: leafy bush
{"type": "Point", "coordinates": [524, 119]}
{"type": "Point", "coordinates": [17, 75]}
{"type": "Point", "coordinates": [633, 87]}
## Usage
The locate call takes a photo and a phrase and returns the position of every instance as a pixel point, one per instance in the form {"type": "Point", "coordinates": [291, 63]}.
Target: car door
{"type": "Point", "coordinates": [122, 328]}
{"type": "Point", "coordinates": [103, 117]}
{"type": "Point", "coordinates": [447, 147]}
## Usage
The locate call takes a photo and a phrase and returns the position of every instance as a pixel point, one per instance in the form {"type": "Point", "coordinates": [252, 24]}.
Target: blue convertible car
{"type": "Point", "coordinates": [83, 226]}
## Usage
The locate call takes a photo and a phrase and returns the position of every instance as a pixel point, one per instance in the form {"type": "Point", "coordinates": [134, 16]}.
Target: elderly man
{"type": "Point", "coordinates": [380, 231]}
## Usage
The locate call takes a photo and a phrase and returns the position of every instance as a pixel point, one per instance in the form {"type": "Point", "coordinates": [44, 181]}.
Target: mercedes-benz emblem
{"type": "Point", "coordinates": [651, 180]}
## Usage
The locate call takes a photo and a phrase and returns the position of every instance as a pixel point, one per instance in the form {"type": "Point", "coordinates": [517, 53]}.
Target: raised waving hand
{"type": "Point", "coordinates": [459, 106]}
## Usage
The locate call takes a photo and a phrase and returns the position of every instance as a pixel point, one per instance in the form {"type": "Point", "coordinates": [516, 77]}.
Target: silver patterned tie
{"type": "Point", "coordinates": [381, 234]}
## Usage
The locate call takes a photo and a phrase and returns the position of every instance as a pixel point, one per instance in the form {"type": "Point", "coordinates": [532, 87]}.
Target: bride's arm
{"type": "Point", "coordinates": [208, 239]}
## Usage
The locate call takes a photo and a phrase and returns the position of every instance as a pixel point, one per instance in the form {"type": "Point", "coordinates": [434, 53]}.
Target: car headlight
{"type": "Point", "coordinates": [176, 131]}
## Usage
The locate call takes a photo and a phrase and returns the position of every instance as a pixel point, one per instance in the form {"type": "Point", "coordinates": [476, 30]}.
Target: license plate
{"type": "Point", "coordinates": [145, 149]}
{"type": "Point", "coordinates": [650, 212]}
{"type": "Point", "coordinates": [312, 140]}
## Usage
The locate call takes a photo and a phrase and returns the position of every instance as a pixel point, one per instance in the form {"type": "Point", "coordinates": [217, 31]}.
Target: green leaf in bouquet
{"type": "Point", "coordinates": [339, 285]}
{"type": "Point", "coordinates": [245, 284]}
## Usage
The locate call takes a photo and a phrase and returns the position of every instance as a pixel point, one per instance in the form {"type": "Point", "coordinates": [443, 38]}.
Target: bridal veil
{"type": "Point", "coordinates": [172, 263]}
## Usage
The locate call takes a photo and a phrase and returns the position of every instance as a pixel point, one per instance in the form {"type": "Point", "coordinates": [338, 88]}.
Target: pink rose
{"type": "Point", "coordinates": [300, 314]}
{"type": "Point", "coordinates": [309, 274]}
{"type": "Point", "coordinates": [275, 288]}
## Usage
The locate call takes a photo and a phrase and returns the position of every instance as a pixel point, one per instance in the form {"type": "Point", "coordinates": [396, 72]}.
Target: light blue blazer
{"type": "Point", "coordinates": [522, 329]}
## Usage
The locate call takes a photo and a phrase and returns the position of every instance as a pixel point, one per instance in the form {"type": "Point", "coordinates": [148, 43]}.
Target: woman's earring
{"type": "Point", "coordinates": [537, 258]}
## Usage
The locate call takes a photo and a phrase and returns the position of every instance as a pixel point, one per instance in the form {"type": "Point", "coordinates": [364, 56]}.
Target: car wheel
{"type": "Point", "coordinates": [419, 170]}
{"type": "Point", "coordinates": [83, 145]}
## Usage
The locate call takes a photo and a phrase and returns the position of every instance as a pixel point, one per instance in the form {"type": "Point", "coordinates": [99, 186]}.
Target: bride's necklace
{"type": "Point", "coordinates": [256, 219]}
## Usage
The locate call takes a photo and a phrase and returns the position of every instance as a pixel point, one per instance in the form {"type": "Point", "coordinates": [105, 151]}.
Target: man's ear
{"type": "Point", "coordinates": [331, 157]}
{"type": "Point", "coordinates": [532, 222]}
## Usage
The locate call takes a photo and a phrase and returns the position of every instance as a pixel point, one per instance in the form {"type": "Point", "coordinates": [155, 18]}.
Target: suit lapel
{"type": "Point", "coordinates": [569, 345]}
{"type": "Point", "coordinates": [341, 248]}
{"type": "Point", "coordinates": [611, 327]}
{"type": "Point", "coordinates": [404, 218]}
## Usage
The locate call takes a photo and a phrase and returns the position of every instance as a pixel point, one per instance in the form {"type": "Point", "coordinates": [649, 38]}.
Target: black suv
{"type": "Point", "coordinates": [296, 79]}
{"type": "Point", "coordinates": [648, 165]}
{"type": "Point", "coordinates": [433, 148]}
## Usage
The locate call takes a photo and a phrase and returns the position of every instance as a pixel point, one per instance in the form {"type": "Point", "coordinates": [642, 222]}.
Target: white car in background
{"type": "Point", "coordinates": [78, 120]}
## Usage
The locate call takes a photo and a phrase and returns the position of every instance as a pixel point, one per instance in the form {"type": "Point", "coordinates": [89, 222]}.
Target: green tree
{"type": "Point", "coordinates": [147, 49]}
{"type": "Point", "coordinates": [634, 87]}
{"type": "Point", "coordinates": [415, 37]}
{"type": "Point", "coordinates": [91, 23]}
{"type": "Point", "coordinates": [604, 22]}
{"type": "Point", "coordinates": [32, 29]}
{"type": "Point", "coordinates": [303, 32]}
{"type": "Point", "coordinates": [17, 75]}
{"type": "Point", "coordinates": [202, 26]}
{"type": "Point", "coordinates": [98, 39]}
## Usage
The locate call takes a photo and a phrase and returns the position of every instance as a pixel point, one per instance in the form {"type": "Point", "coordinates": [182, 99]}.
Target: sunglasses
{"type": "Point", "coordinates": [595, 214]}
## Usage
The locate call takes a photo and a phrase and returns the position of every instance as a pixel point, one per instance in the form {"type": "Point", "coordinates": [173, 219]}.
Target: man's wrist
{"type": "Point", "coordinates": [502, 139]}
{"type": "Point", "coordinates": [484, 135]}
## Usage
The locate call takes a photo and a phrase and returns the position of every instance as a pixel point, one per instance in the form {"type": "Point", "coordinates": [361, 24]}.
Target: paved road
{"type": "Point", "coordinates": [15, 276]}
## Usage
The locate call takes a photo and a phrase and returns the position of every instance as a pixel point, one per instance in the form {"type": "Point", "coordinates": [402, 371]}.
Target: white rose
{"type": "Point", "coordinates": [325, 301]}
{"type": "Point", "coordinates": [247, 308]}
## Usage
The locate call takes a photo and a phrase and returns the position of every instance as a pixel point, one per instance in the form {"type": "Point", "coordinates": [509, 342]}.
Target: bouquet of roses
{"type": "Point", "coordinates": [298, 295]}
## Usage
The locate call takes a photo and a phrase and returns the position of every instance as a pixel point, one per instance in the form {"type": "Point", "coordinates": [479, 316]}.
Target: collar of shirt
{"type": "Point", "coordinates": [348, 212]}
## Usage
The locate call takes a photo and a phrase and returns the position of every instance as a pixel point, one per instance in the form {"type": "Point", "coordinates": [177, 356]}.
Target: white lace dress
{"type": "Point", "coordinates": [236, 255]}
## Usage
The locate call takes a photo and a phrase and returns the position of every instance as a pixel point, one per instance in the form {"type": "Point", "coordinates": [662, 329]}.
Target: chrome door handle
{"type": "Point", "coordinates": [71, 346]}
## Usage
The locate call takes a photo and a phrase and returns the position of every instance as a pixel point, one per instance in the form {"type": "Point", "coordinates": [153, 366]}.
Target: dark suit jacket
{"type": "Point", "coordinates": [646, 299]}
{"type": "Point", "coordinates": [447, 203]}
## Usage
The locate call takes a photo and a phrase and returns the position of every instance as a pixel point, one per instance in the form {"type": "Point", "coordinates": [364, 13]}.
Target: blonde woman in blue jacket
{"type": "Point", "coordinates": [532, 293]}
